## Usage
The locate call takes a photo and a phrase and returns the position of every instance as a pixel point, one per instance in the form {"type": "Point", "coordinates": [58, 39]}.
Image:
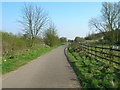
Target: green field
{"type": "Point", "coordinates": [93, 73]}
{"type": "Point", "coordinates": [12, 62]}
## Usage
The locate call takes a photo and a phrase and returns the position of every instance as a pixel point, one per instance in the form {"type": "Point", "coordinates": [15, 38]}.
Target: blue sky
{"type": "Point", "coordinates": [70, 18]}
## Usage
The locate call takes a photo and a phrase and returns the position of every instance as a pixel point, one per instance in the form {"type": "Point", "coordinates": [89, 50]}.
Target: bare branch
{"type": "Point", "coordinates": [33, 19]}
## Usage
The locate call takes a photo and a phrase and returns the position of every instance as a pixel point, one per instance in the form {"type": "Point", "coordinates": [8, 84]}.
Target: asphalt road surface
{"type": "Point", "coordinates": [50, 70]}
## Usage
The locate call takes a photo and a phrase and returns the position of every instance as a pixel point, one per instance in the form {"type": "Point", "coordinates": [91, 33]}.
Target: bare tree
{"type": "Point", "coordinates": [118, 33]}
{"type": "Point", "coordinates": [34, 18]}
{"type": "Point", "coordinates": [108, 21]}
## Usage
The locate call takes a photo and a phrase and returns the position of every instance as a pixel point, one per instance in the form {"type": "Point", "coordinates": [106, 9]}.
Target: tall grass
{"type": "Point", "coordinates": [93, 73]}
{"type": "Point", "coordinates": [12, 62]}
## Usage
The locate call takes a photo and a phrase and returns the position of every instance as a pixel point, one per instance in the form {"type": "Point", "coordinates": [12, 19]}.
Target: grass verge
{"type": "Point", "coordinates": [12, 62]}
{"type": "Point", "coordinates": [92, 73]}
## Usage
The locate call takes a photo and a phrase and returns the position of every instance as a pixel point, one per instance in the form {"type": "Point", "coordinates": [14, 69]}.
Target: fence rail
{"type": "Point", "coordinates": [101, 47]}
{"type": "Point", "coordinates": [102, 53]}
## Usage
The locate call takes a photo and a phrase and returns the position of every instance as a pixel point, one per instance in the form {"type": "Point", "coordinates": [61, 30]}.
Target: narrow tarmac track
{"type": "Point", "coordinates": [50, 70]}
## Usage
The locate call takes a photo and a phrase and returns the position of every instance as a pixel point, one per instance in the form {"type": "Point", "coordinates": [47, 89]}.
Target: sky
{"type": "Point", "coordinates": [71, 18]}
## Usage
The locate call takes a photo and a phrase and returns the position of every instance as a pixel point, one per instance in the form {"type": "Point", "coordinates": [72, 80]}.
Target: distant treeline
{"type": "Point", "coordinates": [108, 37]}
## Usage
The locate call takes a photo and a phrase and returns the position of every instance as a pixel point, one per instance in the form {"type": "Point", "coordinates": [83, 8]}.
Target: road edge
{"type": "Point", "coordinates": [65, 52]}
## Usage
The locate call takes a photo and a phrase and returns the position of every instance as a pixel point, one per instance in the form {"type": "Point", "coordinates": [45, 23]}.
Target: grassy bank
{"type": "Point", "coordinates": [92, 73]}
{"type": "Point", "coordinates": [14, 61]}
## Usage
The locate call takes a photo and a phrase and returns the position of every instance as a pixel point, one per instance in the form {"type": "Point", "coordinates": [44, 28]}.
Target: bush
{"type": "Point", "coordinates": [50, 36]}
{"type": "Point", "coordinates": [12, 44]}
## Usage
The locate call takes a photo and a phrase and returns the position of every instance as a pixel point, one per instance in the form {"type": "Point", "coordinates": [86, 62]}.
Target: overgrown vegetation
{"type": "Point", "coordinates": [63, 40]}
{"type": "Point", "coordinates": [104, 39]}
{"type": "Point", "coordinates": [79, 39]}
{"type": "Point", "coordinates": [14, 61]}
{"type": "Point", "coordinates": [50, 36]}
{"type": "Point", "coordinates": [93, 73]}
{"type": "Point", "coordinates": [12, 44]}
{"type": "Point", "coordinates": [18, 50]}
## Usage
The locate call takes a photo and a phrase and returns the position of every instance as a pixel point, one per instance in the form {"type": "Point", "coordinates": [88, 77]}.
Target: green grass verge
{"type": "Point", "coordinates": [92, 73]}
{"type": "Point", "coordinates": [12, 61]}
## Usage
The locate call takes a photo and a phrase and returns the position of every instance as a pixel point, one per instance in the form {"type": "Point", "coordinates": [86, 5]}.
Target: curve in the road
{"type": "Point", "coordinates": [50, 70]}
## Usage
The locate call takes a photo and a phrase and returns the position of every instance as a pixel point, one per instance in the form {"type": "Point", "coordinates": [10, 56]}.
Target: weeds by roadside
{"type": "Point", "coordinates": [11, 62]}
{"type": "Point", "coordinates": [91, 73]}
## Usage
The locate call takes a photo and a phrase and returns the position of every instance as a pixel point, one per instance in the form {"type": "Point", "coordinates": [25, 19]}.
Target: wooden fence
{"type": "Point", "coordinates": [109, 54]}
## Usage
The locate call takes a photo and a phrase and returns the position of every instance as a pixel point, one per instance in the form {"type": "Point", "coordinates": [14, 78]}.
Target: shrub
{"type": "Point", "coordinates": [50, 36]}
{"type": "Point", "coordinates": [12, 44]}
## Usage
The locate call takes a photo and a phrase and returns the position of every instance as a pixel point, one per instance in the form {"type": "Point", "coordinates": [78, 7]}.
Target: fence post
{"type": "Point", "coordinates": [102, 52]}
{"type": "Point", "coordinates": [95, 52]}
